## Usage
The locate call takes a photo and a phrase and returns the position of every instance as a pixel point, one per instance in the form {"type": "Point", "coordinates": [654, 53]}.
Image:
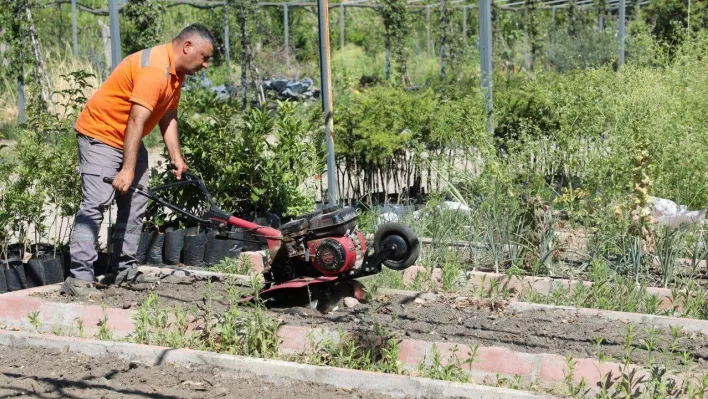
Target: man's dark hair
{"type": "Point", "coordinates": [199, 30]}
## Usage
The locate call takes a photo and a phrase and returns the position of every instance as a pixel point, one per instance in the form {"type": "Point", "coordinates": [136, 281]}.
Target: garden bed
{"type": "Point", "coordinates": [42, 373]}
{"type": "Point", "coordinates": [449, 318]}
{"type": "Point", "coordinates": [487, 323]}
{"type": "Point", "coordinates": [189, 293]}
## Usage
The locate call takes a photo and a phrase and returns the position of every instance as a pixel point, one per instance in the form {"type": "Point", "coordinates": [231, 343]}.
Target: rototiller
{"type": "Point", "coordinates": [320, 250]}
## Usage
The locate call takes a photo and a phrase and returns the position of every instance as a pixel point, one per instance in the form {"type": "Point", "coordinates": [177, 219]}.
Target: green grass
{"type": "Point", "coordinates": [8, 130]}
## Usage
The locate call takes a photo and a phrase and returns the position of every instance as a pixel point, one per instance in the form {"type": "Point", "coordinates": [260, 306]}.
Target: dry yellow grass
{"type": "Point", "coordinates": [57, 65]}
{"type": "Point", "coordinates": [8, 101]}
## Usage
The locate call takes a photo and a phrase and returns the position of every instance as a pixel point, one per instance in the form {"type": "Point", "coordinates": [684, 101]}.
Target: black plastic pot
{"type": "Point", "coordinates": [44, 267]}
{"type": "Point", "coordinates": [236, 246]}
{"type": "Point", "coordinates": [143, 245]}
{"type": "Point", "coordinates": [174, 243]}
{"type": "Point", "coordinates": [235, 250]}
{"type": "Point", "coordinates": [194, 247]}
{"type": "Point", "coordinates": [34, 273]}
{"type": "Point", "coordinates": [3, 280]}
{"type": "Point", "coordinates": [15, 251]}
{"type": "Point", "coordinates": [101, 265]}
{"type": "Point", "coordinates": [53, 268]}
{"type": "Point", "coordinates": [15, 275]}
{"type": "Point", "coordinates": [154, 252]}
{"type": "Point", "coordinates": [217, 248]}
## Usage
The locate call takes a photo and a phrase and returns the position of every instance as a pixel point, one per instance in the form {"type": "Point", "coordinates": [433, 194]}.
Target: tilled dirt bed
{"type": "Point", "coordinates": [450, 318]}
{"type": "Point", "coordinates": [487, 323]}
{"type": "Point", "coordinates": [190, 293]}
{"type": "Point", "coordinates": [34, 373]}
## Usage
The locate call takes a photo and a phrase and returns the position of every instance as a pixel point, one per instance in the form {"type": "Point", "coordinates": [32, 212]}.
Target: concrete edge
{"type": "Point", "coordinates": [394, 385]}
{"type": "Point", "coordinates": [36, 290]}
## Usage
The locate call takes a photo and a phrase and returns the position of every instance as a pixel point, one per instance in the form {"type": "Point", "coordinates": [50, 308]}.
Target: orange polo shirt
{"type": "Point", "coordinates": [148, 78]}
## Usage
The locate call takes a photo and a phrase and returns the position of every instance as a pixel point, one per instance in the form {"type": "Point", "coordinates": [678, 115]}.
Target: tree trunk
{"type": "Point", "coordinates": [37, 52]}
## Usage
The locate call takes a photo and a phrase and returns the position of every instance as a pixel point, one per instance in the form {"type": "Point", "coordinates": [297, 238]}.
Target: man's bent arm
{"type": "Point", "coordinates": [131, 142]}
{"type": "Point", "coordinates": [133, 135]}
{"type": "Point", "coordinates": [170, 135]}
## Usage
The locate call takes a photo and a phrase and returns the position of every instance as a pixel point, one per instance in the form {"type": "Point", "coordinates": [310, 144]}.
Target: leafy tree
{"type": "Point", "coordinates": [397, 29]}
{"type": "Point", "coordinates": [670, 19]}
{"type": "Point", "coordinates": [17, 35]}
{"type": "Point", "coordinates": [532, 29]}
{"type": "Point", "coordinates": [246, 13]}
{"type": "Point", "coordinates": [141, 25]}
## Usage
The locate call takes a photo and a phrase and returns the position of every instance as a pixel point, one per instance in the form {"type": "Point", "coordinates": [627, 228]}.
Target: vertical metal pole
{"type": "Point", "coordinates": [74, 29]}
{"type": "Point", "coordinates": [621, 34]}
{"type": "Point", "coordinates": [688, 28]}
{"type": "Point", "coordinates": [427, 28]}
{"type": "Point", "coordinates": [227, 43]}
{"type": "Point", "coordinates": [286, 28]}
{"type": "Point", "coordinates": [443, 37]}
{"type": "Point", "coordinates": [553, 32]}
{"type": "Point", "coordinates": [464, 23]}
{"type": "Point", "coordinates": [116, 54]}
{"type": "Point", "coordinates": [21, 107]}
{"type": "Point", "coordinates": [485, 50]}
{"type": "Point", "coordinates": [326, 81]}
{"type": "Point", "coordinates": [341, 26]}
{"type": "Point", "coordinates": [387, 46]}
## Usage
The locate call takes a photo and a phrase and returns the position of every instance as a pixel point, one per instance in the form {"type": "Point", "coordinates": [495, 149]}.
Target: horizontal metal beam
{"type": "Point", "coordinates": [82, 7]}
{"type": "Point", "coordinates": [207, 5]}
{"type": "Point", "coordinates": [511, 5]}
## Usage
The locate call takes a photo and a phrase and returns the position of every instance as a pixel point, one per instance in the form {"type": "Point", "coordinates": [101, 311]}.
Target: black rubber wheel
{"type": "Point", "coordinates": [406, 241]}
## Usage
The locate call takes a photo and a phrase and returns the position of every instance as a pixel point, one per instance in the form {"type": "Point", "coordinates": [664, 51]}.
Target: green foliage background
{"type": "Point", "coordinates": [565, 116]}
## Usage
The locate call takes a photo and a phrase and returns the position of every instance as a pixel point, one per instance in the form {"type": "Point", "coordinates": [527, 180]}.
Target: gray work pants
{"type": "Point", "coordinates": [96, 161]}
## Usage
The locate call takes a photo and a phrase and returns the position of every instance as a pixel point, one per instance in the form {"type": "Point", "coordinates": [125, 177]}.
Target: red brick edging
{"type": "Point", "coordinates": [545, 370]}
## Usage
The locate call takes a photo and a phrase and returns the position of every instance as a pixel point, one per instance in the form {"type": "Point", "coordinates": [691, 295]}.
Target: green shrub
{"type": "Point", "coordinates": [253, 163]}
{"type": "Point", "coordinates": [388, 132]}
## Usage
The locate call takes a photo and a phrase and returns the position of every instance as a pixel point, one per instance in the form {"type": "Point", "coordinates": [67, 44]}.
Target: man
{"type": "Point", "coordinates": [143, 91]}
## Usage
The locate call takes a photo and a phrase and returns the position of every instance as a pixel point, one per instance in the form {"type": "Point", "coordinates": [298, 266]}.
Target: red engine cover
{"type": "Point", "coordinates": [332, 255]}
{"type": "Point", "coordinates": [362, 242]}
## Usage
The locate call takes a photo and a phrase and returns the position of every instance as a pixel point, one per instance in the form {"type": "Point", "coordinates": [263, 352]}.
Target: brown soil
{"type": "Point", "coordinates": [189, 293]}
{"type": "Point", "coordinates": [451, 318]}
{"type": "Point", "coordinates": [44, 374]}
{"type": "Point", "coordinates": [486, 323]}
